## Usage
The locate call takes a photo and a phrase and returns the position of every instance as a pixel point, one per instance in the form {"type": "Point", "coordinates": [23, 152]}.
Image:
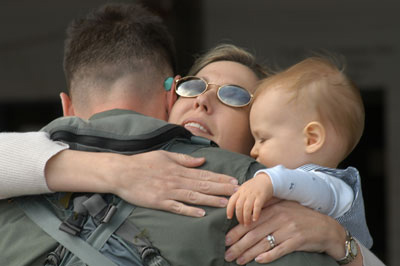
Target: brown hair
{"type": "Point", "coordinates": [229, 52]}
{"type": "Point", "coordinates": [320, 82]}
{"type": "Point", "coordinates": [114, 40]}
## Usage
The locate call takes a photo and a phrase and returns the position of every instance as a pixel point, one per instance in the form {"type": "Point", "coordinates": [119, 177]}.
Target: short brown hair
{"type": "Point", "coordinates": [321, 82]}
{"type": "Point", "coordinates": [114, 40]}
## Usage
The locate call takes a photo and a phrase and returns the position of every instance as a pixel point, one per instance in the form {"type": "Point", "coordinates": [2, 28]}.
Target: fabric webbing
{"type": "Point", "coordinates": [38, 210]}
{"type": "Point", "coordinates": [103, 232]}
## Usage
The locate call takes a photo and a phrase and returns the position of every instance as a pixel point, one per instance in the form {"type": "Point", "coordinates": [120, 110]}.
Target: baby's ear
{"type": "Point", "coordinates": [314, 133]}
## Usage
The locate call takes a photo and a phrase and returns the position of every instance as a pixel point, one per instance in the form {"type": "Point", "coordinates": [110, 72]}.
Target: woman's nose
{"type": "Point", "coordinates": [206, 100]}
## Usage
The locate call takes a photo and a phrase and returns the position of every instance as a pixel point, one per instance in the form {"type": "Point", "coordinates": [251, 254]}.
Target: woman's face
{"type": "Point", "coordinates": [207, 117]}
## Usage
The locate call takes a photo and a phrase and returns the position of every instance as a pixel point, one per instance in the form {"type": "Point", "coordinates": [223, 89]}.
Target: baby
{"type": "Point", "coordinates": [305, 121]}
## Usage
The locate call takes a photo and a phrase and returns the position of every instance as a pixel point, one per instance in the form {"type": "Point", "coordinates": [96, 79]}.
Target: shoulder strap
{"type": "Point", "coordinates": [103, 232]}
{"type": "Point", "coordinates": [38, 210]}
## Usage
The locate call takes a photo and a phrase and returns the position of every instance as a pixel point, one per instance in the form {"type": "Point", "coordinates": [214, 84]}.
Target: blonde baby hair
{"type": "Point", "coordinates": [320, 83]}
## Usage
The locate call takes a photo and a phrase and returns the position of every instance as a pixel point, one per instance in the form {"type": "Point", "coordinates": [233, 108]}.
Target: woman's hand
{"type": "Point", "coordinates": [294, 227]}
{"type": "Point", "coordinates": [161, 180]}
{"type": "Point", "coordinates": [158, 179]}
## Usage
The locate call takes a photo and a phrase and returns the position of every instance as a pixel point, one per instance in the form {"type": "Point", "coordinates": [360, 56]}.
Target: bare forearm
{"type": "Point", "coordinates": [158, 179]}
{"type": "Point", "coordinates": [76, 171]}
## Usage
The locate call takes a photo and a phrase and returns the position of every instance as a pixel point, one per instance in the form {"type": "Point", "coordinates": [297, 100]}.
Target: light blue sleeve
{"type": "Point", "coordinates": [319, 191]}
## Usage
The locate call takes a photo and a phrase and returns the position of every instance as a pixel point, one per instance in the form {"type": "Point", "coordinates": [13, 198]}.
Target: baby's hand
{"type": "Point", "coordinates": [250, 198]}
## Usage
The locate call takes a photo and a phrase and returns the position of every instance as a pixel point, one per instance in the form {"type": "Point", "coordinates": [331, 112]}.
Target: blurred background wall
{"type": "Point", "coordinates": [366, 32]}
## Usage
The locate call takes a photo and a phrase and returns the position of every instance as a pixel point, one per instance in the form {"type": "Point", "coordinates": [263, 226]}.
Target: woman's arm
{"type": "Point", "coordinates": [157, 179]}
{"type": "Point", "coordinates": [23, 157]}
{"type": "Point", "coordinates": [295, 228]}
{"type": "Point", "coordinates": [30, 163]}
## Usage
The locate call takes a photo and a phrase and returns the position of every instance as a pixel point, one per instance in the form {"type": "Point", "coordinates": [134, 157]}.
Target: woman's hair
{"type": "Point", "coordinates": [319, 82]}
{"type": "Point", "coordinates": [229, 52]}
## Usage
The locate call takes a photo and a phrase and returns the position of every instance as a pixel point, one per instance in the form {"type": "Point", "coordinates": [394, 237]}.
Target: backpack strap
{"type": "Point", "coordinates": [39, 211]}
{"type": "Point", "coordinates": [103, 232]}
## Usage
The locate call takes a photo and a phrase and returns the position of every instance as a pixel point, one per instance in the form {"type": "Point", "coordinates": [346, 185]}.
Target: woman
{"type": "Point", "coordinates": [207, 116]}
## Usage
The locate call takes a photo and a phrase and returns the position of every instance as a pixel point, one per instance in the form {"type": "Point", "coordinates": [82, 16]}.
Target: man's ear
{"type": "Point", "coordinates": [315, 134]}
{"type": "Point", "coordinates": [67, 107]}
{"type": "Point", "coordinates": [171, 95]}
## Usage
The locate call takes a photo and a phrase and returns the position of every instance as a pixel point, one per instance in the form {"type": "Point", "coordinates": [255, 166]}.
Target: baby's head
{"type": "Point", "coordinates": [309, 113]}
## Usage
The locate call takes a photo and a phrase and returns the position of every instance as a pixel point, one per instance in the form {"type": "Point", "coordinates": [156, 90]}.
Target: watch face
{"type": "Point", "coordinates": [353, 247]}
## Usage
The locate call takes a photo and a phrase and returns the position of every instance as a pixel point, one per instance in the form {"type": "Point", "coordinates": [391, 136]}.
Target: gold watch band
{"type": "Point", "coordinates": [351, 250]}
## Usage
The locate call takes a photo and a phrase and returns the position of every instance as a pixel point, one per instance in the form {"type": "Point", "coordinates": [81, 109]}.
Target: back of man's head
{"type": "Point", "coordinates": [116, 42]}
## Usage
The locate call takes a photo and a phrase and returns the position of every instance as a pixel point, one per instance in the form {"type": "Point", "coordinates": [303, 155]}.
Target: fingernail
{"type": "Point", "coordinates": [228, 256]}
{"type": "Point", "coordinates": [258, 258]}
{"type": "Point", "coordinates": [201, 213]}
{"type": "Point", "coordinates": [236, 188]}
{"type": "Point", "coordinates": [234, 181]}
{"type": "Point", "coordinates": [223, 202]}
{"type": "Point", "coordinates": [240, 260]}
{"type": "Point", "coordinates": [228, 241]}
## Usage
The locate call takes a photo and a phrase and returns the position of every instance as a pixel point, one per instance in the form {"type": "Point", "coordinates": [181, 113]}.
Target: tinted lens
{"type": "Point", "coordinates": [191, 87]}
{"type": "Point", "coordinates": [234, 95]}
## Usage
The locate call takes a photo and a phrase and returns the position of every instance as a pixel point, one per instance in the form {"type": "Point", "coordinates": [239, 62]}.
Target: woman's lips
{"type": "Point", "coordinates": [196, 128]}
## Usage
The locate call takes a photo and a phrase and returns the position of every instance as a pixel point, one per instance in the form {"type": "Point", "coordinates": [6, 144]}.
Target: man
{"type": "Point", "coordinates": [119, 57]}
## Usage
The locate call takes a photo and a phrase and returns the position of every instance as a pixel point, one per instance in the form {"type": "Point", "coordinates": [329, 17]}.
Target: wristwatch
{"type": "Point", "coordinates": [351, 250]}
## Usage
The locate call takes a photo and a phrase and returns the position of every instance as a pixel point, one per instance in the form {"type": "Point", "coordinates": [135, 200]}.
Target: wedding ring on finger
{"type": "Point", "coordinates": [271, 240]}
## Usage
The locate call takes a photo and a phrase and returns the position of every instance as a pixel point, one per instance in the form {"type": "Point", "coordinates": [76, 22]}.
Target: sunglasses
{"type": "Point", "coordinates": [231, 95]}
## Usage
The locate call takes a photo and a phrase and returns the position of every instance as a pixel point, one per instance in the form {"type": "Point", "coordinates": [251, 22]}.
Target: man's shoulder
{"type": "Point", "coordinates": [114, 123]}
